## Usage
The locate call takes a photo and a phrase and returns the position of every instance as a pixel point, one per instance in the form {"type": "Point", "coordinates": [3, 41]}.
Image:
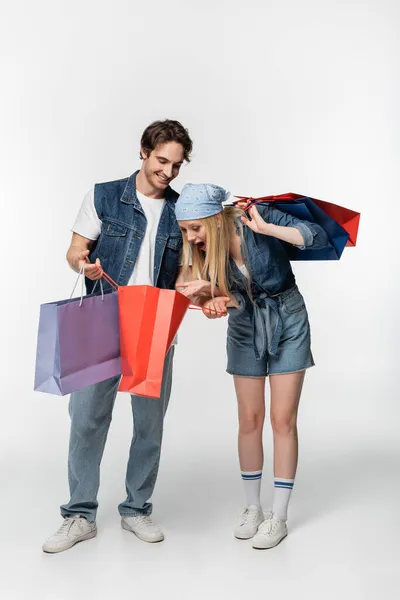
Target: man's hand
{"type": "Point", "coordinates": [215, 308]}
{"type": "Point", "coordinates": [194, 288]}
{"type": "Point", "coordinates": [78, 257]}
{"type": "Point", "coordinates": [92, 271]}
{"type": "Point", "coordinates": [83, 259]}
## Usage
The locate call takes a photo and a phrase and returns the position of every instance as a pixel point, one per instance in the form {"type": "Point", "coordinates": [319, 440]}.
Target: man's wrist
{"type": "Point", "coordinates": [74, 264]}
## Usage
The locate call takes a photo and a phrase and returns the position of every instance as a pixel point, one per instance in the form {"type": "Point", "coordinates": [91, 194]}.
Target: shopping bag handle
{"type": "Point", "coordinates": [110, 281]}
{"type": "Point", "coordinates": [217, 312]}
{"type": "Point", "coordinates": [251, 201]}
{"type": "Point", "coordinates": [81, 274]}
{"type": "Point", "coordinates": [115, 286]}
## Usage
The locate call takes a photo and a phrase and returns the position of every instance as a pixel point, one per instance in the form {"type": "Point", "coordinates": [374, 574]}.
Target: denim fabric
{"type": "Point", "coordinates": [122, 232]}
{"type": "Point", "coordinates": [265, 256]}
{"type": "Point", "coordinates": [199, 201]}
{"type": "Point", "coordinates": [264, 340]}
{"type": "Point", "coordinates": [123, 229]}
{"type": "Point", "coordinates": [91, 411]}
{"type": "Point", "coordinates": [270, 332]}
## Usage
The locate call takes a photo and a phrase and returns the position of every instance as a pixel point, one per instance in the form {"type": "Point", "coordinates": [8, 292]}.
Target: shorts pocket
{"type": "Point", "coordinates": [293, 302]}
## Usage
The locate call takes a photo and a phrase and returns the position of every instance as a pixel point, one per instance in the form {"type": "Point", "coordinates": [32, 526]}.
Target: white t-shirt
{"type": "Point", "coordinates": [88, 225]}
{"type": "Point", "coordinates": [244, 271]}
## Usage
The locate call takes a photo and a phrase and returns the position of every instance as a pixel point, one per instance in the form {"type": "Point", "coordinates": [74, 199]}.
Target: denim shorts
{"type": "Point", "coordinates": [294, 347]}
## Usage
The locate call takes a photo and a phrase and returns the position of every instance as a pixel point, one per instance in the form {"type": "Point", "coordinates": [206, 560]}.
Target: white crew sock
{"type": "Point", "coordinates": [252, 487]}
{"type": "Point", "coordinates": [282, 491]}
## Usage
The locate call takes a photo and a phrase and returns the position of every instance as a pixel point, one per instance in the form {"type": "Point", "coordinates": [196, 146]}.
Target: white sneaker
{"type": "Point", "coordinates": [251, 518]}
{"type": "Point", "coordinates": [144, 527]}
{"type": "Point", "coordinates": [73, 530]}
{"type": "Point", "coordinates": [270, 533]}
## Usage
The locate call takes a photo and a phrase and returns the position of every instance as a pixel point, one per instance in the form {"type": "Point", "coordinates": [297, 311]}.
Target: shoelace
{"type": "Point", "coordinates": [145, 520]}
{"type": "Point", "coordinates": [66, 526]}
{"type": "Point", "coordinates": [249, 517]}
{"type": "Point", "coordinates": [268, 527]}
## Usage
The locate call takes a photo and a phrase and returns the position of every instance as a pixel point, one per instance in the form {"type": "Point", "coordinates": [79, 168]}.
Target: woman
{"type": "Point", "coordinates": [240, 264]}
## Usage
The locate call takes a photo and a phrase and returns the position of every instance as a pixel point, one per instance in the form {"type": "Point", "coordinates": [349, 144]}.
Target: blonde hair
{"type": "Point", "coordinates": [213, 265]}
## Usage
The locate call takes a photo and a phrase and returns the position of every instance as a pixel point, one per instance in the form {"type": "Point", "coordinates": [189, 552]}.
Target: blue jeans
{"type": "Point", "coordinates": [90, 410]}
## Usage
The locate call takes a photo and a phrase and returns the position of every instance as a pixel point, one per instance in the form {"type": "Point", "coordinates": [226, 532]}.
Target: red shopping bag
{"type": "Point", "coordinates": [149, 319]}
{"type": "Point", "coordinates": [346, 218]}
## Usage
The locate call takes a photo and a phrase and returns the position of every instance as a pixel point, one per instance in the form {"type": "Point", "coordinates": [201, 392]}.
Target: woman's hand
{"type": "Point", "coordinates": [215, 308]}
{"type": "Point", "coordinates": [241, 204]}
{"type": "Point", "coordinates": [194, 288]}
{"type": "Point", "coordinates": [257, 223]}
{"type": "Point", "coordinates": [286, 233]}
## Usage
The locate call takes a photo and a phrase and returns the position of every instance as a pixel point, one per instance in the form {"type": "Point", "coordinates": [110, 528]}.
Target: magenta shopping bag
{"type": "Point", "coordinates": [78, 343]}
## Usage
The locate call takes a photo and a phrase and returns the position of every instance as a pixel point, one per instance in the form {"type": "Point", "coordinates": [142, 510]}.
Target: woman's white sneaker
{"type": "Point", "coordinates": [270, 533]}
{"type": "Point", "coordinates": [143, 527]}
{"type": "Point", "coordinates": [250, 519]}
{"type": "Point", "coordinates": [73, 530]}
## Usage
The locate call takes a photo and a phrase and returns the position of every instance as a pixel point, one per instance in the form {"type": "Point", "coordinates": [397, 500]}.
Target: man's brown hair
{"type": "Point", "coordinates": [162, 132]}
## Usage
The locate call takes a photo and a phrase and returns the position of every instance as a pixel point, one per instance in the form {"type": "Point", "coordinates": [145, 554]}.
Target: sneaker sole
{"type": "Point", "coordinates": [243, 537]}
{"type": "Point", "coordinates": [269, 547]}
{"type": "Point", "coordinates": [83, 538]}
{"type": "Point", "coordinates": [154, 541]}
{"type": "Point", "coordinates": [240, 537]}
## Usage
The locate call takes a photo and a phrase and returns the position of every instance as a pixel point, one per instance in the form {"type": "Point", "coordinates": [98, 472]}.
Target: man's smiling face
{"type": "Point", "coordinates": [162, 165]}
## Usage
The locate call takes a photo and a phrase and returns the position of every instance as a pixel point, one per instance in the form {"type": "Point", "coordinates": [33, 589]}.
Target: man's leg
{"type": "Point", "coordinates": [144, 457]}
{"type": "Point", "coordinates": [90, 410]}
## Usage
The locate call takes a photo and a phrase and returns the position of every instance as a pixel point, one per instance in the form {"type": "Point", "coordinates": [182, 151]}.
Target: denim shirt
{"type": "Point", "coordinates": [122, 231]}
{"type": "Point", "coordinates": [265, 256]}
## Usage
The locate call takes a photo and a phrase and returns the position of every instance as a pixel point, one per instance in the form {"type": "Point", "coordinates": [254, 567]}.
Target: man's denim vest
{"type": "Point", "coordinates": [123, 226]}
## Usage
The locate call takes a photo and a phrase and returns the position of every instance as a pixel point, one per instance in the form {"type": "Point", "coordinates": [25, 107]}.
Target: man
{"type": "Point", "coordinates": [128, 228]}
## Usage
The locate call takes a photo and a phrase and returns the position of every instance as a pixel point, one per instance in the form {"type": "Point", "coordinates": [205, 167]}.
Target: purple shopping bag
{"type": "Point", "coordinates": [78, 343]}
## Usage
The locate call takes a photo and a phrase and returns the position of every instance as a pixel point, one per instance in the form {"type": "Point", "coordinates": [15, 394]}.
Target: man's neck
{"type": "Point", "coordinates": [144, 187]}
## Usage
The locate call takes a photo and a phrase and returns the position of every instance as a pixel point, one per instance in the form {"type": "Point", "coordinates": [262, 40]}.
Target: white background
{"type": "Point", "coordinates": [278, 96]}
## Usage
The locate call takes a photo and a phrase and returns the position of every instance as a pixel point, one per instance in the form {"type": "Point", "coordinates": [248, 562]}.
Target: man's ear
{"type": "Point", "coordinates": [143, 154]}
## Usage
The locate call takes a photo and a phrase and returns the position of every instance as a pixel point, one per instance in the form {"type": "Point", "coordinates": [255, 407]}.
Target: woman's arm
{"type": "Point", "coordinates": [199, 293]}
{"type": "Point", "coordinates": [268, 220]}
{"type": "Point", "coordinates": [194, 287]}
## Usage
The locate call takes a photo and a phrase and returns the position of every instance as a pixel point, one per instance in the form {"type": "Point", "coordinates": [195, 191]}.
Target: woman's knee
{"type": "Point", "coordinates": [251, 423]}
{"type": "Point", "coordinates": [283, 425]}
